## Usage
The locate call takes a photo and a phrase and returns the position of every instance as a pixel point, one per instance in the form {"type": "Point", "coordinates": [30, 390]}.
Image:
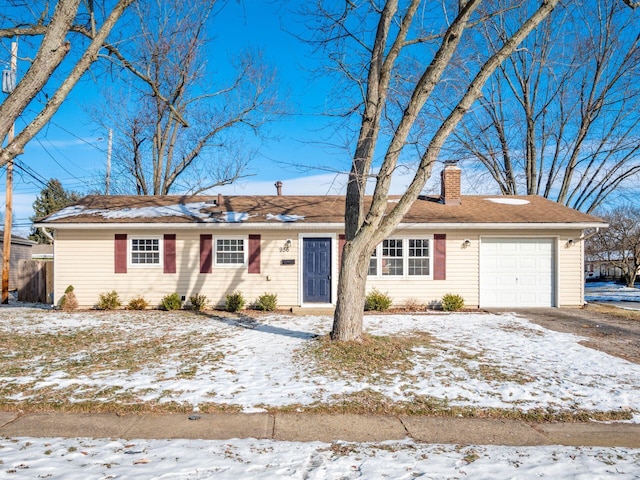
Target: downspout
{"type": "Point", "coordinates": [583, 238]}
{"type": "Point", "coordinates": [47, 234]}
{"type": "Point", "coordinates": [50, 237]}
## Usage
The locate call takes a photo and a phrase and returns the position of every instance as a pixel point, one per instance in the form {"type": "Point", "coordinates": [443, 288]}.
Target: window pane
{"type": "Point", "coordinates": [373, 265]}
{"type": "Point", "coordinates": [391, 266]}
{"type": "Point", "coordinates": [418, 254]}
{"type": "Point", "coordinates": [418, 266]}
{"type": "Point", "coordinates": [145, 251]}
{"type": "Point", "coordinates": [230, 251]}
{"type": "Point", "coordinates": [392, 262]}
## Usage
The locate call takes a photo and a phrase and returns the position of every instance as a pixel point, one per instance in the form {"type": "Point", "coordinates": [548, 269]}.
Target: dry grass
{"type": "Point", "coordinates": [375, 356]}
{"type": "Point", "coordinates": [614, 311]}
{"type": "Point", "coordinates": [369, 402]}
{"type": "Point", "coordinates": [30, 357]}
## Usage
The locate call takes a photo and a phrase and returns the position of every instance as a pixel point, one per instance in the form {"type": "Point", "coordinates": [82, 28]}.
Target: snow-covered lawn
{"type": "Point", "coordinates": [610, 292]}
{"type": "Point", "coordinates": [473, 359]}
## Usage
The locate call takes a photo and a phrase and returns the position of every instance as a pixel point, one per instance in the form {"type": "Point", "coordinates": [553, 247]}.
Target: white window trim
{"type": "Point", "coordinates": [405, 259]}
{"type": "Point", "coordinates": [245, 261]}
{"type": "Point", "coordinates": [160, 263]}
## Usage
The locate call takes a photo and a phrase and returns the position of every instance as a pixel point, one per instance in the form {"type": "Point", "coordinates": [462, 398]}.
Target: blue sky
{"type": "Point", "coordinates": [74, 151]}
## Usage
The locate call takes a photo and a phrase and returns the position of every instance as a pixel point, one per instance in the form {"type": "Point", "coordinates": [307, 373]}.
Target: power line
{"type": "Point", "coordinates": [31, 172]}
{"type": "Point", "coordinates": [79, 138]}
{"type": "Point", "coordinates": [55, 160]}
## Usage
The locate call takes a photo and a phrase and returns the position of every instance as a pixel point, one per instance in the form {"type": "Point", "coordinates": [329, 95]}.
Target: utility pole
{"type": "Point", "coordinates": [8, 84]}
{"type": "Point", "coordinates": [108, 178]}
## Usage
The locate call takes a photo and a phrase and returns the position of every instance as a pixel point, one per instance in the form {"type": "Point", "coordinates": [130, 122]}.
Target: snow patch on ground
{"type": "Point", "coordinates": [81, 459]}
{"type": "Point", "coordinates": [475, 359]}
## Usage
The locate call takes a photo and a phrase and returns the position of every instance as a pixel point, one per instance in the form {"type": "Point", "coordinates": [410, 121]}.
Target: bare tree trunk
{"type": "Point", "coordinates": [366, 229]}
{"type": "Point", "coordinates": [348, 318]}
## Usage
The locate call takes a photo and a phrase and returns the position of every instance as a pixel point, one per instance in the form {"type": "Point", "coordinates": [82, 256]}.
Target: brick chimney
{"type": "Point", "coordinates": [450, 184]}
{"type": "Point", "coordinates": [278, 185]}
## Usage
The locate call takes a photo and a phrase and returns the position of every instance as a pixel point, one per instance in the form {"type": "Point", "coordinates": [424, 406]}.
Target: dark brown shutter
{"type": "Point", "coordinates": [440, 256]}
{"type": "Point", "coordinates": [342, 239]}
{"type": "Point", "coordinates": [169, 249]}
{"type": "Point", "coordinates": [206, 254]}
{"type": "Point", "coordinates": [254, 253]}
{"type": "Point", "coordinates": [120, 253]}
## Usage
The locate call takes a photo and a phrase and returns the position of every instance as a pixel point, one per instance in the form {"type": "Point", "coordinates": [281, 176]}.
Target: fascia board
{"type": "Point", "coordinates": [314, 226]}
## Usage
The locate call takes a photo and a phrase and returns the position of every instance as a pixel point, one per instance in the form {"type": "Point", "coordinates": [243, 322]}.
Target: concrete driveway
{"type": "Point", "coordinates": [606, 329]}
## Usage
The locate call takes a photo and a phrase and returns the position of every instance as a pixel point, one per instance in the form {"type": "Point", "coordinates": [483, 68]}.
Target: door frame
{"type": "Point", "coordinates": [333, 250]}
{"type": "Point", "coordinates": [555, 239]}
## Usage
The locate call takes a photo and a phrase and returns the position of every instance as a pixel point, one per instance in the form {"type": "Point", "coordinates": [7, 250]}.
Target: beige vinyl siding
{"type": "Point", "coordinates": [461, 273]}
{"type": "Point", "coordinates": [570, 269]}
{"type": "Point", "coordinates": [85, 260]}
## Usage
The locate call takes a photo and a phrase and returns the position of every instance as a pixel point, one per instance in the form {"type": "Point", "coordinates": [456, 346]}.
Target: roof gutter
{"type": "Point", "coordinates": [314, 226]}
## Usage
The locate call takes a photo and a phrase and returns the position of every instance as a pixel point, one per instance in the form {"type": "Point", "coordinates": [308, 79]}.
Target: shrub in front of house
{"type": "Point", "coordinates": [267, 302]}
{"type": "Point", "coordinates": [171, 301]}
{"type": "Point", "coordinates": [138, 303]}
{"type": "Point", "coordinates": [198, 302]}
{"type": "Point", "coordinates": [377, 301]}
{"type": "Point", "coordinates": [452, 302]}
{"type": "Point", "coordinates": [109, 301]}
{"type": "Point", "coordinates": [69, 301]}
{"type": "Point", "coordinates": [235, 302]}
{"type": "Point", "coordinates": [413, 305]}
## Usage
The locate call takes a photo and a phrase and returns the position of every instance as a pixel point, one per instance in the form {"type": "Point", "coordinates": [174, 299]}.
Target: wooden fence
{"type": "Point", "coordinates": [35, 281]}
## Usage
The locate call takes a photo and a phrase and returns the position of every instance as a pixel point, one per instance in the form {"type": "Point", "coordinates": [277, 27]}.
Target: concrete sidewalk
{"type": "Point", "coordinates": [319, 427]}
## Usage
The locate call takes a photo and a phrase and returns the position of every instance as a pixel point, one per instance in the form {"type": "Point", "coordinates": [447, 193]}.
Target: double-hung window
{"type": "Point", "coordinates": [145, 251]}
{"type": "Point", "coordinates": [418, 256]}
{"type": "Point", "coordinates": [402, 257]}
{"type": "Point", "coordinates": [392, 257]}
{"type": "Point", "coordinates": [373, 264]}
{"type": "Point", "coordinates": [231, 251]}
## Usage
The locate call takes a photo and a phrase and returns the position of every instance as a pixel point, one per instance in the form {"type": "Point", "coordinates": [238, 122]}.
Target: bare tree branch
{"type": "Point", "coordinates": [50, 54]}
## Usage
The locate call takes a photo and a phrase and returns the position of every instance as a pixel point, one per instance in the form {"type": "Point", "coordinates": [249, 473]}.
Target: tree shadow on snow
{"type": "Point", "coordinates": [249, 323]}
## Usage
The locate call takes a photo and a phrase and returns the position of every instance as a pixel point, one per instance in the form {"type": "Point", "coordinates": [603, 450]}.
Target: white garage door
{"type": "Point", "coordinates": [517, 272]}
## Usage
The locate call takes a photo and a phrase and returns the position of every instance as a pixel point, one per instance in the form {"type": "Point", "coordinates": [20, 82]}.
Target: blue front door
{"type": "Point", "coordinates": [316, 270]}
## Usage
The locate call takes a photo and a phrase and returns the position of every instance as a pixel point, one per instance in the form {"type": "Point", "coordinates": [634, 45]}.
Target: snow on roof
{"type": "Point", "coordinates": [193, 210]}
{"type": "Point", "coordinates": [285, 218]}
{"type": "Point", "coordinates": [187, 209]}
{"type": "Point", "coordinates": [508, 201]}
{"type": "Point", "coordinates": [233, 217]}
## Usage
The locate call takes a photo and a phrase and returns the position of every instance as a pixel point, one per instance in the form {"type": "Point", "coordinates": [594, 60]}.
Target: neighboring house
{"type": "Point", "coordinates": [598, 269]}
{"type": "Point", "coordinates": [20, 250]}
{"type": "Point", "coordinates": [494, 251]}
{"type": "Point", "coordinates": [42, 251]}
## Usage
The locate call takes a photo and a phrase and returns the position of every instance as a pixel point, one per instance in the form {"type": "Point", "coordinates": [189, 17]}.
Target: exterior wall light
{"type": "Point", "coordinates": [466, 243]}
{"type": "Point", "coordinates": [286, 246]}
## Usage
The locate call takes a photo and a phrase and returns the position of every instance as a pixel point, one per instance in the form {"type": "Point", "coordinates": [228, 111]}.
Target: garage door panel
{"type": "Point", "coordinates": [517, 272]}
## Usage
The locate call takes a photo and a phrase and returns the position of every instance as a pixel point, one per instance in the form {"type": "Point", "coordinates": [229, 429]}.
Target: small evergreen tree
{"type": "Point", "coordinates": [52, 198]}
